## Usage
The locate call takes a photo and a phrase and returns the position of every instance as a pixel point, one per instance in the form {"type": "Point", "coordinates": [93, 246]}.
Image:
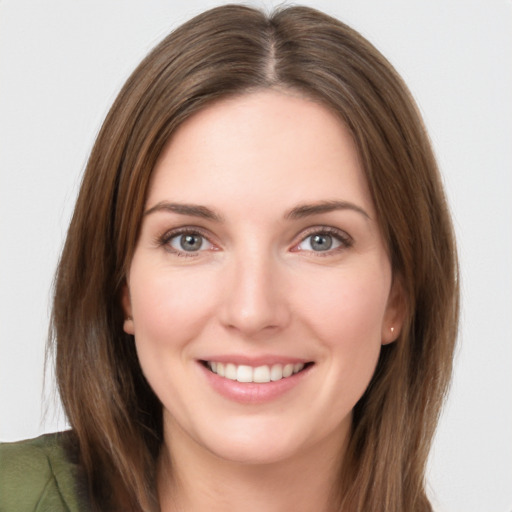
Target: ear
{"type": "Point", "coordinates": [395, 312]}
{"type": "Point", "coordinates": [126, 303]}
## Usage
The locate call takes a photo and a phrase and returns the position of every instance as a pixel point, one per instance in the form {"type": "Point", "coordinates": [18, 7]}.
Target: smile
{"type": "Point", "coordinates": [258, 374]}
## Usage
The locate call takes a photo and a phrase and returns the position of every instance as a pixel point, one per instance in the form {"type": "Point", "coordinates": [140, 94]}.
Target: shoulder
{"type": "Point", "coordinates": [39, 475]}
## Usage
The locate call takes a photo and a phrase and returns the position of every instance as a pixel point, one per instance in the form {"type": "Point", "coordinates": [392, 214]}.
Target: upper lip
{"type": "Point", "coordinates": [255, 361]}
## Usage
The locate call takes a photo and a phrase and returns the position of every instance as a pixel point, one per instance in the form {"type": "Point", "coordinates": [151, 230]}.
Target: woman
{"type": "Point", "coordinates": [256, 305]}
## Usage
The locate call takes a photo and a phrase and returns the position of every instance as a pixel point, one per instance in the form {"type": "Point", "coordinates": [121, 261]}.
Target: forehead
{"type": "Point", "coordinates": [268, 145]}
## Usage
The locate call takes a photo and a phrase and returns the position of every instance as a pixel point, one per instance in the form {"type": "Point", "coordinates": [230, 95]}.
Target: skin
{"type": "Point", "coordinates": [257, 287]}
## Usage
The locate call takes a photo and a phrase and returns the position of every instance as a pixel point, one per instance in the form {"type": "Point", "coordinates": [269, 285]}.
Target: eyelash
{"type": "Point", "coordinates": [345, 240]}
{"type": "Point", "coordinates": [165, 239]}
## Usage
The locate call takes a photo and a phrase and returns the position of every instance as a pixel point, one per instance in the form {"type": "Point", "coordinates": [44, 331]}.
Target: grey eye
{"type": "Point", "coordinates": [189, 242]}
{"type": "Point", "coordinates": [320, 242]}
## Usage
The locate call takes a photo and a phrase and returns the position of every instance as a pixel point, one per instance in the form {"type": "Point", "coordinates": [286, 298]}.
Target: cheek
{"type": "Point", "coordinates": [346, 313]}
{"type": "Point", "coordinates": [169, 307]}
{"type": "Point", "coordinates": [349, 303]}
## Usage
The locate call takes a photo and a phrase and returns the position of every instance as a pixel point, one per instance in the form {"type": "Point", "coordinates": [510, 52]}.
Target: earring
{"type": "Point", "coordinates": [392, 330]}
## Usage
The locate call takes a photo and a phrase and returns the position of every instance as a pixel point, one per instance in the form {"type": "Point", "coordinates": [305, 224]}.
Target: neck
{"type": "Point", "coordinates": [193, 479]}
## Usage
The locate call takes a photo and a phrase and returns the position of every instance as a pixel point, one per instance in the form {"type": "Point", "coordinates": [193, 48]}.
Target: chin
{"type": "Point", "coordinates": [259, 442]}
{"type": "Point", "coordinates": [251, 452]}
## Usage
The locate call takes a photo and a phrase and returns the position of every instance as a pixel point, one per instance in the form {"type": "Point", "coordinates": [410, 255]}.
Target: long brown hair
{"type": "Point", "coordinates": [115, 416]}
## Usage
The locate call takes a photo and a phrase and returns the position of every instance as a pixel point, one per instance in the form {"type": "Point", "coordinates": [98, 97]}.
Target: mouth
{"type": "Point", "coordinates": [258, 374]}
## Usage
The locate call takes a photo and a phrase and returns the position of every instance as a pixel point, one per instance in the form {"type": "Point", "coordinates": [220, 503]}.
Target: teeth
{"type": "Point", "coordinates": [230, 371]}
{"type": "Point", "coordinates": [244, 374]}
{"type": "Point", "coordinates": [260, 374]}
{"type": "Point", "coordinates": [287, 370]}
{"type": "Point", "coordinates": [276, 372]}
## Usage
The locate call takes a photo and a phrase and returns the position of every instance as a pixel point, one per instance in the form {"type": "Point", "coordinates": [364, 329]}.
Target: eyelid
{"type": "Point", "coordinates": [164, 239]}
{"type": "Point", "coordinates": [342, 236]}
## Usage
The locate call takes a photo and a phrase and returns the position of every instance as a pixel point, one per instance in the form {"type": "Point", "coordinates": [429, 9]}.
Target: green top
{"type": "Point", "coordinates": [39, 475]}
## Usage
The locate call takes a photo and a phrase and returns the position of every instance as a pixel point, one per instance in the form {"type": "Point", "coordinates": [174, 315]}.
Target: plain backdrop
{"type": "Point", "coordinates": [61, 65]}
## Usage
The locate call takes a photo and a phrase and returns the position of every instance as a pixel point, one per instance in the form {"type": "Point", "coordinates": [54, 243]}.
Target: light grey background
{"type": "Point", "coordinates": [61, 65]}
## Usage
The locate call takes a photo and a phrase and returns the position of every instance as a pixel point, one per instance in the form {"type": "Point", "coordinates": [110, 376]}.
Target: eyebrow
{"type": "Point", "coordinates": [193, 210]}
{"type": "Point", "coordinates": [306, 210]}
{"type": "Point", "coordinates": [298, 212]}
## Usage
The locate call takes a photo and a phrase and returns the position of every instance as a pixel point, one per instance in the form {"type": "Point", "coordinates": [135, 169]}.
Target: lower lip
{"type": "Point", "coordinates": [253, 392]}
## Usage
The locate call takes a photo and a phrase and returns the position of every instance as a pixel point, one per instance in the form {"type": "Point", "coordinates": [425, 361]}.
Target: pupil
{"type": "Point", "coordinates": [191, 242]}
{"type": "Point", "coordinates": [321, 242]}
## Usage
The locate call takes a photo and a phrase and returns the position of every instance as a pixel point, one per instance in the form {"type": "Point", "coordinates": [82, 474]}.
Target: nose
{"type": "Point", "coordinates": [255, 298]}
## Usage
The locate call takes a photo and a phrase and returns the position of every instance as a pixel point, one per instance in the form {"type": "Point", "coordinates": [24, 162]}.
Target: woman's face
{"type": "Point", "coordinates": [260, 290]}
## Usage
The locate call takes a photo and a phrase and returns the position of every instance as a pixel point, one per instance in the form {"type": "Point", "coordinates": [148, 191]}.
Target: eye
{"type": "Point", "coordinates": [325, 240]}
{"type": "Point", "coordinates": [187, 242]}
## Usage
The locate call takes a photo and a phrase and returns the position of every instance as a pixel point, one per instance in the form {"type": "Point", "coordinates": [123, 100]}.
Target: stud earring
{"type": "Point", "coordinates": [392, 330]}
